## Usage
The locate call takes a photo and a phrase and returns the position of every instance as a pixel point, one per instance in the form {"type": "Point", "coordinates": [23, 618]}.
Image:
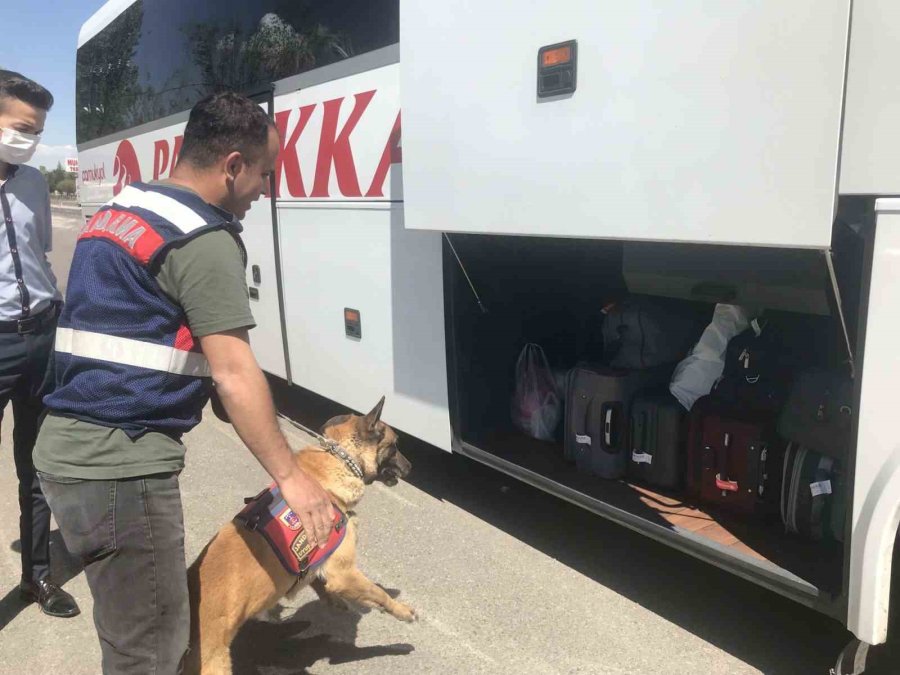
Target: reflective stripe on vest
{"type": "Point", "coordinates": [183, 217]}
{"type": "Point", "coordinates": [130, 352]}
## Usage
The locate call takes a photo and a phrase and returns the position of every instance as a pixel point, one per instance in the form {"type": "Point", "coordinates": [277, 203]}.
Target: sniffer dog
{"type": "Point", "coordinates": [238, 575]}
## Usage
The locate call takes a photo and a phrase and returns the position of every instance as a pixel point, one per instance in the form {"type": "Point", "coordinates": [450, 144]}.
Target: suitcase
{"type": "Point", "coordinates": [597, 413]}
{"type": "Point", "coordinates": [813, 494]}
{"type": "Point", "coordinates": [819, 413]}
{"type": "Point", "coordinates": [657, 440]}
{"type": "Point", "coordinates": [730, 454]}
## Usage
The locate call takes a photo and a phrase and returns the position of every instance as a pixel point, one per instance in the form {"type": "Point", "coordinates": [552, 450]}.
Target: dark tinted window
{"type": "Point", "coordinates": [161, 56]}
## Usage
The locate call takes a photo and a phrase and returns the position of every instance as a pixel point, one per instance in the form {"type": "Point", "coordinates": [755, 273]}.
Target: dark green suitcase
{"type": "Point", "coordinates": [813, 494]}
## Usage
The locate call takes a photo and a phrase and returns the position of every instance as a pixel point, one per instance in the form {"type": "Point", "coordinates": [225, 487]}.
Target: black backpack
{"type": "Point", "coordinates": [757, 371]}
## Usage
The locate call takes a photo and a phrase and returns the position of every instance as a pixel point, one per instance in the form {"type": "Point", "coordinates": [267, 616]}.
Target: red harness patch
{"type": "Point", "coordinates": [268, 514]}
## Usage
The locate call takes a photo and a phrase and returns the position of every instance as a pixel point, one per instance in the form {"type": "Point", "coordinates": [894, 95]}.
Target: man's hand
{"type": "Point", "coordinates": [244, 393]}
{"type": "Point", "coordinates": [311, 503]}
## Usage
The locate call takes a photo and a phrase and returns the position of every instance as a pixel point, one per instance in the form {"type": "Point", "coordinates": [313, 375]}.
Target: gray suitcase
{"type": "Point", "coordinates": [598, 403]}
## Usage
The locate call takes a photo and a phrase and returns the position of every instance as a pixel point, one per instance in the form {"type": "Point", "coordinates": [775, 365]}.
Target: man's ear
{"type": "Point", "coordinates": [234, 164]}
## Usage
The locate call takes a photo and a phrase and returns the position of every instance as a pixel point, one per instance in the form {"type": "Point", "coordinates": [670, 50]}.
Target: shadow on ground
{"type": "Point", "coordinates": [294, 643]}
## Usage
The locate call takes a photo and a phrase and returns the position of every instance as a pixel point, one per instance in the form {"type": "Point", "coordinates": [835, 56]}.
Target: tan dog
{"type": "Point", "coordinates": [237, 575]}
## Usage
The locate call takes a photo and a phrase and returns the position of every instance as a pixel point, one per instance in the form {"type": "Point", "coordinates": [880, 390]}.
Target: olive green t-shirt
{"type": "Point", "coordinates": [205, 277]}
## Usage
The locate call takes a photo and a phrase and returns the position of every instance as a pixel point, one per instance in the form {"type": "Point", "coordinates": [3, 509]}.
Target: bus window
{"type": "Point", "coordinates": [159, 57]}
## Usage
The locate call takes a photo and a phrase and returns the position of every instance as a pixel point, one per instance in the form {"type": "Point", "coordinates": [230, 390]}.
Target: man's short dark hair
{"type": "Point", "coordinates": [16, 85]}
{"type": "Point", "coordinates": [221, 124]}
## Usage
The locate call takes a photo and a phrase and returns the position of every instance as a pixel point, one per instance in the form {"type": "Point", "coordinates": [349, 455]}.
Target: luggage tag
{"type": "Point", "coordinates": [820, 488]}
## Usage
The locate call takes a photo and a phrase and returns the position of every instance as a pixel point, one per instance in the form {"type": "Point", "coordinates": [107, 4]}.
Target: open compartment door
{"type": "Point", "coordinates": [689, 122]}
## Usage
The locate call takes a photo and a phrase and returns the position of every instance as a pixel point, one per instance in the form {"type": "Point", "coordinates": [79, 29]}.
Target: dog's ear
{"type": "Point", "coordinates": [371, 420]}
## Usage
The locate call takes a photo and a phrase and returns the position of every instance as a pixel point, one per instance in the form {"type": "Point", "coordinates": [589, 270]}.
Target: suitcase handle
{"type": "Point", "coordinates": [726, 485]}
{"type": "Point", "coordinates": [607, 426]}
{"type": "Point", "coordinates": [639, 454]}
{"type": "Point", "coordinates": [609, 420]}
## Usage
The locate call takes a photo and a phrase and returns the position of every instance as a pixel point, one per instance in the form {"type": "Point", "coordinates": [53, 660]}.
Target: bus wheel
{"type": "Point", "coordinates": [852, 660]}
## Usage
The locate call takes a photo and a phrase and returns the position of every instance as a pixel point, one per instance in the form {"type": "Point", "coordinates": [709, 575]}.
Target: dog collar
{"type": "Point", "coordinates": [331, 447]}
{"type": "Point", "coordinates": [334, 449]}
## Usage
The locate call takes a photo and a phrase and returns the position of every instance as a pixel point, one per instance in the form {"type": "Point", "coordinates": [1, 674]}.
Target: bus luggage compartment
{"type": "Point", "coordinates": [505, 292]}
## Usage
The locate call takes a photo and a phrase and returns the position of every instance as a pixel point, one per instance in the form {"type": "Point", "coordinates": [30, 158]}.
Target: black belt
{"type": "Point", "coordinates": [31, 324]}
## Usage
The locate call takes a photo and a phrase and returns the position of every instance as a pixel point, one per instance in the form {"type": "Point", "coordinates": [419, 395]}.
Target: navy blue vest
{"type": "Point", "coordinates": [125, 356]}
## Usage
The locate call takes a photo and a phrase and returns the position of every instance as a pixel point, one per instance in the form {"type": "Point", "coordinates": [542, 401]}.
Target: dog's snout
{"type": "Point", "coordinates": [402, 465]}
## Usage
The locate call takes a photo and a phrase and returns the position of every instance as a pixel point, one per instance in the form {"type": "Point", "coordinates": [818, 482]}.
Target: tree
{"type": "Point", "coordinates": [229, 59]}
{"type": "Point", "coordinates": [55, 177]}
{"type": "Point", "coordinates": [66, 186]}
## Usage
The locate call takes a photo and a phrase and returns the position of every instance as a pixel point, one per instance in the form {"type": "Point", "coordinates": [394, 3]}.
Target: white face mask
{"type": "Point", "coordinates": [16, 147]}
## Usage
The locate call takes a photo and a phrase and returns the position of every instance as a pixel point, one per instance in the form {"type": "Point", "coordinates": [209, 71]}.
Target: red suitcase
{"type": "Point", "coordinates": [731, 458]}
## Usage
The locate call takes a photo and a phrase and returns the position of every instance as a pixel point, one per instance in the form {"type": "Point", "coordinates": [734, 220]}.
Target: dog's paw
{"type": "Point", "coordinates": [405, 613]}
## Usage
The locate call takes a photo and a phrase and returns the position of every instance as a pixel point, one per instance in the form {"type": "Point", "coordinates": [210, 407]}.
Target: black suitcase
{"type": "Point", "coordinates": [819, 413]}
{"type": "Point", "coordinates": [597, 414]}
{"type": "Point", "coordinates": [657, 454]}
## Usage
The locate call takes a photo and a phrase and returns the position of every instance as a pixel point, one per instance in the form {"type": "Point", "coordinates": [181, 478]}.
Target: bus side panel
{"type": "Point", "coordinates": [871, 142]}
{"type": "Point", "coordinates": [267, 338]}
{"type": "Point", "coordinates": [344, 247]}
{"type": "Point", "coordinates": [876, 501]}
{"type": "Point", "coordinates": [360, 257]}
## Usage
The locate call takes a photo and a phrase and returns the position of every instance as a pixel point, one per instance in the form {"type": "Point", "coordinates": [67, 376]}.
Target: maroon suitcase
{"type": "Point", "coordinates": [731, 458]}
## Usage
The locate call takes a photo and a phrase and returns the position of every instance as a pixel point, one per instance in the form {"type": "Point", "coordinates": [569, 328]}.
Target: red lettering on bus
{"type": "Point", "coordinates": [178, 142]}
{"type": "Point", "coordinates": [392, 154]}
{"type": "Point", "coordinates": [334, 148]}
{"type": "Point", "coordinates": [288, 161]}
{"type": "Point", "coordinates": [160, 158]}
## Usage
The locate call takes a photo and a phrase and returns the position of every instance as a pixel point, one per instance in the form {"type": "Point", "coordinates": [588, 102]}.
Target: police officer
{"type": "Point", "coordinates": [157, 313]}
{"type": "Point", "coordinates": [29, 301]}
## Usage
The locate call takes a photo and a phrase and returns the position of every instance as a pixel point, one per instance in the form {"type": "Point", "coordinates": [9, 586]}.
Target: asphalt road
{"type": "Point", "coordinates": [506, 578]}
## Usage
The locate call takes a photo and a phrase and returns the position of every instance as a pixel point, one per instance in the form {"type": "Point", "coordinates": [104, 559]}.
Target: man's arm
{"type": "Point", "coordinates": [244, 392]}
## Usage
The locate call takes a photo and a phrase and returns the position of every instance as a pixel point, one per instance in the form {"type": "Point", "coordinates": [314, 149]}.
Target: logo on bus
{"type": "Point", "coordinates": [126, 168]}
{"type": "Point", "coordinates": [94, 174]}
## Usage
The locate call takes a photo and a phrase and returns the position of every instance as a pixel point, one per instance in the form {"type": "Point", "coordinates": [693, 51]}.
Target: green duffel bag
{"type": "Point", "coordinates": [813, 494]}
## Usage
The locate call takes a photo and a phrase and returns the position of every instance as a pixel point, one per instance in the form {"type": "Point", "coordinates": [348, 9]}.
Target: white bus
{"type": "Point", "coordinates": [665, 148]}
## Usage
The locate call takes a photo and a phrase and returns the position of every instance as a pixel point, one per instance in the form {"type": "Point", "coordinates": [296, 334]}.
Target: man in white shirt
{"type": "Point", "coordinates": [29, 306]}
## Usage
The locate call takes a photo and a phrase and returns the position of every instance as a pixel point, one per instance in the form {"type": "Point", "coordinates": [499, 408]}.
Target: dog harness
{"type": "Point", "coordinates": [268, 514]}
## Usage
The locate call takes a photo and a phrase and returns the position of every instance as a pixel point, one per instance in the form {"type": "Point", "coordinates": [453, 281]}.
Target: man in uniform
{"type": "Point", "coordinates": [157, 313]}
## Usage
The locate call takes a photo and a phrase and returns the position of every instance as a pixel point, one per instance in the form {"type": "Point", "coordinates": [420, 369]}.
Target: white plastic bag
{"type": "Point", "coordinates": [536, 405]}
{"type": "Point", "coordinates": [697, 374]}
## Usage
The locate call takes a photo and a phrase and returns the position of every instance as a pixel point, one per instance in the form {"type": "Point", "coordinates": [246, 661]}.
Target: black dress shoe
{"type": "Point", "coordinates": [53, 600]}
